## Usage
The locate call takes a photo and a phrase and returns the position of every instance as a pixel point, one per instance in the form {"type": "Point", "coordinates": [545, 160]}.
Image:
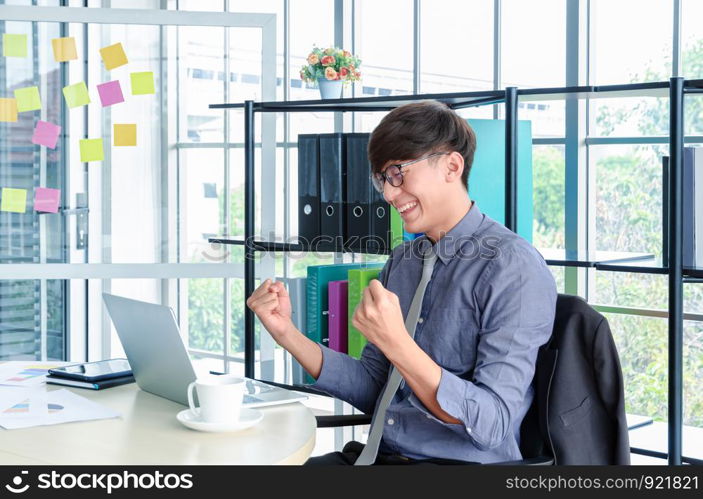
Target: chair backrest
{"type": "Point", "coordinates": [579, 397]}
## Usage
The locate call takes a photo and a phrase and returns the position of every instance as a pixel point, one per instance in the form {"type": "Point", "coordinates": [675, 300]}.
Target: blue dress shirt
{"type": "Point", "coordinates": [486, 311]}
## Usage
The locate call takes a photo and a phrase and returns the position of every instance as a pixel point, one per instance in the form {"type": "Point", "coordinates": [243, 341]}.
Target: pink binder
{"type": "Point", "coordinates": [337, 316]}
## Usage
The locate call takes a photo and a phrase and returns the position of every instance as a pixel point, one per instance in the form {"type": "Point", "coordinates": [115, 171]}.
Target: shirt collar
{"type": "Point", "coordinates": [448, 245]}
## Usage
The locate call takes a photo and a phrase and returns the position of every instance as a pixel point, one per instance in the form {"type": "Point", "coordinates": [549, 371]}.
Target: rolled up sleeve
{"type": "Point", "coordinates": [356, 381]}
{"type": "Point", "coordinates": [517, 297]}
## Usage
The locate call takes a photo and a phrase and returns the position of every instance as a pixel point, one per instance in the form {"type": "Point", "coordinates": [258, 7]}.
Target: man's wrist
{"type": "Point", "coordinates": [288, 333]}
{"type": "Point", "coordinates": [402, 349]}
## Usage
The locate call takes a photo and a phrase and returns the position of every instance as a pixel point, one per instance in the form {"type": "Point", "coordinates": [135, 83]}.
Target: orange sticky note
{"type": "Point", "coordinates": [64, 49]}
{"type": "Point", "coordinates": [125, 134]}
{"type": "Point", "coordinates": [8, 110]}
{"type": "Point", "coordinates": [113, 56]}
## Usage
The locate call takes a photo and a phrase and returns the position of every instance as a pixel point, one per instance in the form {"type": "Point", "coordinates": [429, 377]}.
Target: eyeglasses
{"type": "Point", "coordinates": [394, 173]}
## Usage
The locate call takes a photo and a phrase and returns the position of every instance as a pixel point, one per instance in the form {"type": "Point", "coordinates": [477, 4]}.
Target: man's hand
{"type": "Point", "coordinates": [380, 319]}
{"type": "Point", "coordinates": [271, 304]}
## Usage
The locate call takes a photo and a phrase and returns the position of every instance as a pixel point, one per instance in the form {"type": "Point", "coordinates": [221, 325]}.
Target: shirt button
{"type": "Point", "coordinates": [429, 416]}
{"type": "Point", "coordinates": [390, 421]}
{"type": "Point", "coordinates": [468, 430]}
{"type": "Point", "coordinates": [420, 320]}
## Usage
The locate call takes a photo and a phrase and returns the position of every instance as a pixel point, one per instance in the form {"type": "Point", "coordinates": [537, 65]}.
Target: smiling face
{"type": "Point", "coordinates": [432, 198]}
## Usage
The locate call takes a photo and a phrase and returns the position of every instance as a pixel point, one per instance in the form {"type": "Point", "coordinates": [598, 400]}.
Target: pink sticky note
{"type": "Point", "coordinates": [46, 199]}
{"type": "Point", "coordinates": [46, 134]}
{"type": "Point", "coordinates": [110, 93]}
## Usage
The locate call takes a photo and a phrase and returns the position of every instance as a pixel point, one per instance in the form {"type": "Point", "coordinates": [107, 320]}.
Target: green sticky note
{"type": "Point", "coordinates": [14, 200]}
{"type": "Point", "coordinates": [27, 99]}
{"type": "Point", "coordinates": [91, 150]}
{"type": "Point", "coordinates": [142, 83]}
{"type": "Point", "coordinates": [14, 45]}
{"type": "Point", "coordinates": [76, 95]}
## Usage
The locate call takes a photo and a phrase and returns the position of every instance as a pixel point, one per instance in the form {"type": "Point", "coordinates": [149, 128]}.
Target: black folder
{"type": "Point", "coordinates": [308, 188]}
{"type": "Point", "coordinates": [358, 220]}
{"type": "Point", "coordinates": [332, 187]}
{"type": "Point", "coordinates": [380, 213]}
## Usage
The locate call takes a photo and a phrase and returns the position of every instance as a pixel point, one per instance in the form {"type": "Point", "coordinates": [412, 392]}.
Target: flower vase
{"type": "Point", "coordinates": [330, 89]}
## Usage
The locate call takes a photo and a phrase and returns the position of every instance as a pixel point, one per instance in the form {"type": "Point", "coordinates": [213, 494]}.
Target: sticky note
{"type": "Point", "coordinates": [8, 110]}
{"type": "Point", "coordinates": [14, 200]}
{"type": "Point", "coordinates": [113, 56]}
{"type": "Point", "coordinates": [46, 134]}
{"type": "Point", "coordinates": [46, 199]}
{"type": "Point", "coordinates": [14, 45]}
{"type": "Point", "coordinates": [110, 93]}
{"type": "Point", "coordinates": [27, 99]}
{"type": "Point", "coordinates": [76, 95]}
{"type": "Point", "coordinates": [142, 83]}
{"type": "Point", "coordinates": [125, 134]}
{"type": "Point", "coordinates": [91, 150]}
{"type": "Point", "coordinates": [64, 49]}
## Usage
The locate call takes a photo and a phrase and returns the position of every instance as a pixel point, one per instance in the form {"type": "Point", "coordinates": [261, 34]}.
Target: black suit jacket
{"type": "Point", "coordinates": [579, 388]}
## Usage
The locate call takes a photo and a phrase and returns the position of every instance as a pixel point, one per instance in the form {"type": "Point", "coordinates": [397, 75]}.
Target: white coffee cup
{"type": "Point", "coordinates": [220, 398]}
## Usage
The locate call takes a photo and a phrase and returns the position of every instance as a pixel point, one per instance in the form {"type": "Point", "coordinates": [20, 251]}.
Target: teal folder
{"type": "Point", "coordinates": [487, 177]}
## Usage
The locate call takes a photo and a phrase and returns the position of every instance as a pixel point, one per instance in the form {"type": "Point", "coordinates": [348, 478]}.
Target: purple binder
{"type": "Point", "coordinates": [337, 316]}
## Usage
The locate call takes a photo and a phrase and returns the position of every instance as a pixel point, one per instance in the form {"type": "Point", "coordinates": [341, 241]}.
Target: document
{"type": "Point", "coordinates": [25, 408]}
{"type": "Point", "coordinates": [25, 374]}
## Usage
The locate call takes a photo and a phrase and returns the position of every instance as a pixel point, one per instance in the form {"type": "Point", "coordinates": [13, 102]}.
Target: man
{"type": "Point", "coordinates": [488, 307]}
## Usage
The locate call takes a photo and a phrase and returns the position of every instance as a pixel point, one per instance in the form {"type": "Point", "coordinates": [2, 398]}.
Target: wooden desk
{"type": "Point", "coordinates": [148, 433]}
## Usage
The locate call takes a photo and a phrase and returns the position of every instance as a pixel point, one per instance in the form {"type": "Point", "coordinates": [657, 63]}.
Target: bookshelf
{"type": "Point", "coordinates": [675, 89]}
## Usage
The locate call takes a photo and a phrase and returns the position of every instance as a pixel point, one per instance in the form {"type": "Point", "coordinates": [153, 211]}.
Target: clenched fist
{"type": "Point", "coordinates": [380, 318]}
{"type": "Point", "coordinates": [271, 304]}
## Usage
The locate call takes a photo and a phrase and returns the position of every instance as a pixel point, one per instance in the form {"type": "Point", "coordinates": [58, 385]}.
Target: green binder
{"type": "Point", "coordinates": [487, 177]}
{"type": "Point", "coordinates": [397, 233]}
{"type": "Point", "coordinates": [358, 280]}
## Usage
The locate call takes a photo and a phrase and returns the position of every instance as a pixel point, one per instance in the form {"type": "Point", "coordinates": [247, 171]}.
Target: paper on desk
{"type": "Point", "coordinates": [36, 407]}
{"type": "Point", "coordinates": [25, 374]}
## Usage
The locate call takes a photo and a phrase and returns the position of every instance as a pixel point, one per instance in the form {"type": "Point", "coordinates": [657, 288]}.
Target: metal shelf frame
{"type": "Point", "coordinates": [676, 88]}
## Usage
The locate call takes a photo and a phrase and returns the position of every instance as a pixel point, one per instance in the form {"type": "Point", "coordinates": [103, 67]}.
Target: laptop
{"type": "Point", "coordinates": [152, 343]}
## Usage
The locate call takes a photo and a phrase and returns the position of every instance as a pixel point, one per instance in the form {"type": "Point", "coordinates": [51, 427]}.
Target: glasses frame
{"type": "Point", "coordinates": [379, 179]}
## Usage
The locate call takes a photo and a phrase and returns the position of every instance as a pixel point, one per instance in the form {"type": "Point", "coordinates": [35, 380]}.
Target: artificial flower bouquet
{"type": "Point", "coordinates": [331, 64]}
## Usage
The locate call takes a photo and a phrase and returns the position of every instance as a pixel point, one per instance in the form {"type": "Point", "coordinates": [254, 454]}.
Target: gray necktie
{"type": "Point", "coordinates": [368, 455]}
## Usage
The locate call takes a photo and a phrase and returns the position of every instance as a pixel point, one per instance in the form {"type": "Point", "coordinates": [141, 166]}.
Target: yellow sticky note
{"type": "Point", "coordinates": [64, 49]}
{"type": "Point", "coordinates": [8, 110]}
{"type": "Point", "coordinates": [125, 134]}
{"type": "Point", "coordinates": [91, 150]}
{"type": "Point", "coordinates": [142, 83]}
{"type": "Point", "coordinates": [113, 56]}
{"type": "Point", "coordinates": [14, 200]}
{"type": "Point", "coordinates": [27, 99]}
{"type": "Point", "coordinates": [14, 45]}
{"type": "Point", "coordinates": [76, 95]}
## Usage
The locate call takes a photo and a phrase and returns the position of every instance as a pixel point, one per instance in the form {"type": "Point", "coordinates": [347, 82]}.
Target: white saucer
{"type": "Point", "coordinates": [247, 419]}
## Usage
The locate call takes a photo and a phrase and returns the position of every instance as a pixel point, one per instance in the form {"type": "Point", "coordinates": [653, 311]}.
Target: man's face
{"type": "Point", "coordinates": [419, 198]}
